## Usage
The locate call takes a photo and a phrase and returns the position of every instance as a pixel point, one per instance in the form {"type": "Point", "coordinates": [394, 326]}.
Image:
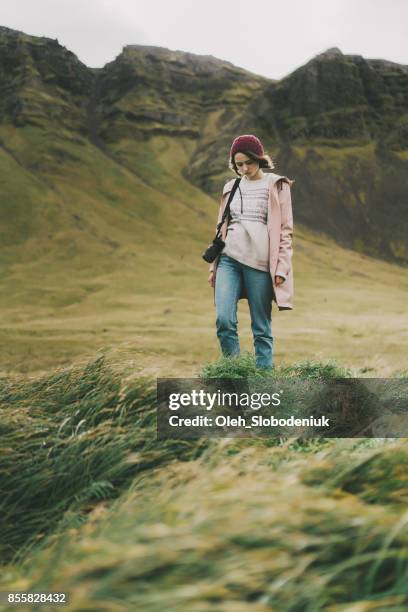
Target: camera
{"type": "Point", "coordinates": [213, 250]}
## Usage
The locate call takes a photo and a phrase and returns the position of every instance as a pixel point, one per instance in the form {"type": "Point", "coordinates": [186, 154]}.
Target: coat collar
{"type": "Point", "coordinates": [275, 178]}
{"type": "Point", "coordinates": [279, 177]}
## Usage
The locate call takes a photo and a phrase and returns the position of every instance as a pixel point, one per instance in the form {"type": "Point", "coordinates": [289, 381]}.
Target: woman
{"type": "Point", "coordinates": [256, 262]}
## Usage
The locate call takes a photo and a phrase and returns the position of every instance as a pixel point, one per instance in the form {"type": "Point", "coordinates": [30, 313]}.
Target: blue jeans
{"type": "Point", "coordinates": [258, 284]}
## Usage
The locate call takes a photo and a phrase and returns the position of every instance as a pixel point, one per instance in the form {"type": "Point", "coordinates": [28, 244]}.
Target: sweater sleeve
{"type": "Point", "coordinates": [285, 245]}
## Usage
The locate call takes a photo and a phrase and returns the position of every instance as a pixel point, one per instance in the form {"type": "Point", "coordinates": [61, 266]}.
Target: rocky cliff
{"type": "Point", "coordinates": [338, 125]}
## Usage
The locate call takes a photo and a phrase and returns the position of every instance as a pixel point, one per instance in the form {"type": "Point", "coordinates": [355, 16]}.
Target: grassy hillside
{"type": "Point", "coordinates": [337, 124]}
{"type": "Point", "coordinates": [102, 254]}
{"type": "Point", "coordinates": [110, 259]}
{"type": "Point", "coordinates": [109, 183]}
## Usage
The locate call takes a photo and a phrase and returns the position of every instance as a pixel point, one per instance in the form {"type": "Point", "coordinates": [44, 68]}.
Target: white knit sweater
{"type": "Point", "coordinates": [247, 239]}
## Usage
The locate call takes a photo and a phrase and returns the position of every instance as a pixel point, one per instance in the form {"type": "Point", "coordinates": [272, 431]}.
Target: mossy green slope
{"type": "Point", "coordinates": [347, 116]}
{"type": "Point", "coordinates": [105, 212]}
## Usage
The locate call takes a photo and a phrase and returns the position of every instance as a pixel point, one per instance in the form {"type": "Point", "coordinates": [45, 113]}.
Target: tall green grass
{"type": "Point", "coordinates": [65, 444]}
{"type": "Point", "coordinates": [244, 366]}
{"type": "Point", "coordinates": [94, 505]}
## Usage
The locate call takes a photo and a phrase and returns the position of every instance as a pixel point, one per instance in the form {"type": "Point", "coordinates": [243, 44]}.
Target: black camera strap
{"type": "Point", "coordinates": [227, 208]}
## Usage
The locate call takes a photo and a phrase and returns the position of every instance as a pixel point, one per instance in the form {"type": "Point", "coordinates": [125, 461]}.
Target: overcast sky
{"type": "Point", "coordinates": [268, 37]}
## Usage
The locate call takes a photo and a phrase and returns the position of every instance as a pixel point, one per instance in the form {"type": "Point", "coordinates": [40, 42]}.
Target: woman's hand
{"type": "Point", "coordinates": [211, 279]}
{"type": "Point", "coordinates": [279, 280]}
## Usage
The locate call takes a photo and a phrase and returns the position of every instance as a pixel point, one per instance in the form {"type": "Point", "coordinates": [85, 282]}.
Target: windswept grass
{"type": "Point", "coordinates": [66, 443]}
{"type": "Point", "coordinates": [94, 505]}
{"type": "Point", "coordinates": [244, 366]}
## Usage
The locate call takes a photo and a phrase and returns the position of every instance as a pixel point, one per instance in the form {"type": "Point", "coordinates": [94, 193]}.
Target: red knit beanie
{"type": "Point", "coordinates": [247, 142]}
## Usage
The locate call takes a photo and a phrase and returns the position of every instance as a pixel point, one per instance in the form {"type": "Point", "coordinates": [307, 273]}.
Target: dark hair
{"type": "Point", "coordinates": [263, 160]}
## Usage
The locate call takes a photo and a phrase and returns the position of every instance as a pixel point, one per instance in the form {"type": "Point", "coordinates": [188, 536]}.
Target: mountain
{"type": "Point", "coordinates": [341, 125]}
{"type": "Point", "coordinates": [109, 186]}
{"type": "Point", "coordinates": [338, 125]}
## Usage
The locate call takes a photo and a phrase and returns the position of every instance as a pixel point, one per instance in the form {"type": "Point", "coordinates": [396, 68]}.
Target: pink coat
{"type": "Point", "coordinates": [280, 229]}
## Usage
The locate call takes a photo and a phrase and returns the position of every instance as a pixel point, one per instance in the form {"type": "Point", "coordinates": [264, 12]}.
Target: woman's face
{"type": "Point", "coordinates": [246, 166]}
